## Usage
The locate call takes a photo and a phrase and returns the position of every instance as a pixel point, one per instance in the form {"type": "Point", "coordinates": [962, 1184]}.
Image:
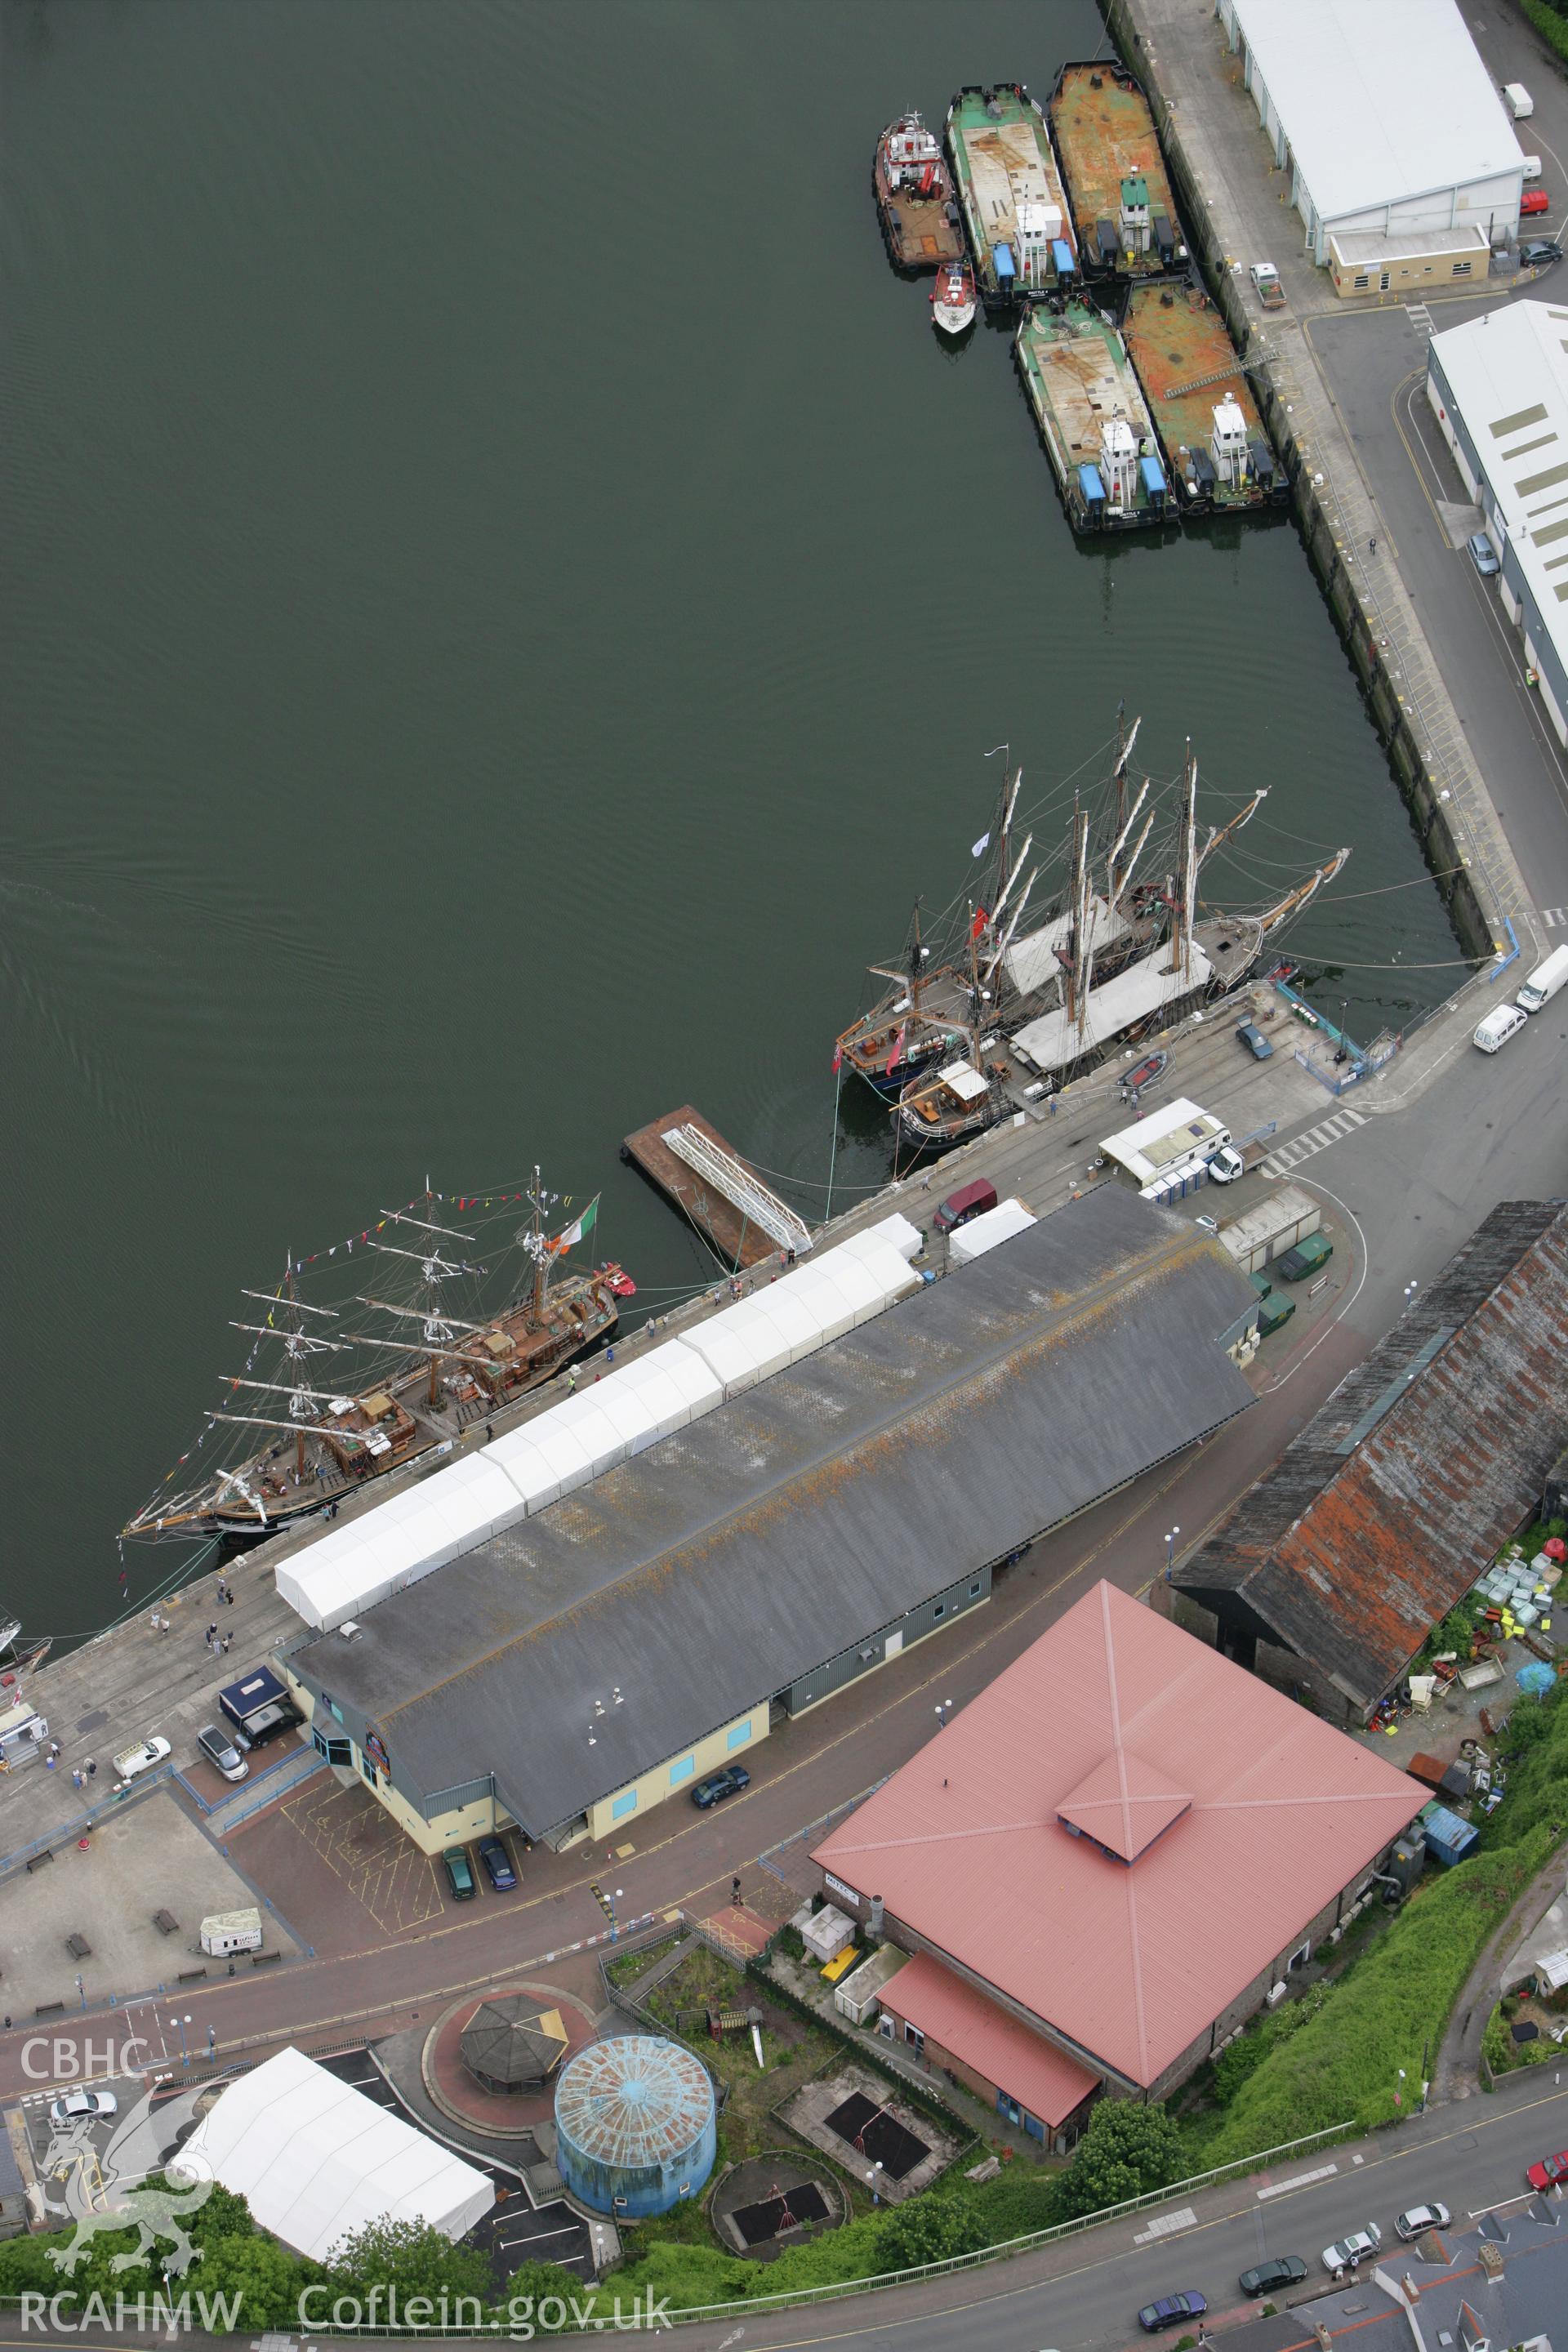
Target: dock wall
{"type": "Point", "coordinates": [1472, 867]}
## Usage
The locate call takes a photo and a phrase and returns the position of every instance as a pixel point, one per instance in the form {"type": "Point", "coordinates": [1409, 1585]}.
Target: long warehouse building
{"type": "Point", "coordinates": [598, 1656]}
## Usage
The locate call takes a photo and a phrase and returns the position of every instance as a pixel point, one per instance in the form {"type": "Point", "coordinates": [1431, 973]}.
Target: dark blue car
{"type": "Point", "coordinates": [1171, 2310]}
{"type": "Point", "coordinates": [719, 1785]}
{"type": "Point", "coordinates": [1256, 1043]}
{"type": "Point", "coordinates": [498, 1864]}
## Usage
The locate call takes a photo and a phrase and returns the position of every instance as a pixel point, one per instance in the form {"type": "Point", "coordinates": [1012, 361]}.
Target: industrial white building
{"type": "Point", "coordinates": [1499, 389]}
{"type": "Point", "coordinates": [1383, 115]}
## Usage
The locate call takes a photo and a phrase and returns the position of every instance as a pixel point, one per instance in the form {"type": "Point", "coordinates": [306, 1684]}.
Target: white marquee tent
{"type": "Point", "coordinates": [315, 2159]}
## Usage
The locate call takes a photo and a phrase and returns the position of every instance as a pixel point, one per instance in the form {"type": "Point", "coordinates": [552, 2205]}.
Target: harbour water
{"type": "Point", "coordinates": [506, 602]}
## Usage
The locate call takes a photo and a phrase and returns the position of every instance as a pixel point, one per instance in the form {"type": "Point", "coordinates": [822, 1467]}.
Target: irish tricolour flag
{"type": "Point", "coordinates": [584, 1224]}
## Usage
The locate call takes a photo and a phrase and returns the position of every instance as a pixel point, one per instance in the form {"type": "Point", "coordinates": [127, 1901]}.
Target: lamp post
{"type": "Point", "coordinates": [82, 1989]}
{"type": "Point", "coordinates": [614, 1898]}
{"type": "Point", "coordinates": [872, 2180]}
{"type": "Point", "coordinates": [212, 2043]}
{"type": "Point", "coordinates": [1170, 1535]}
{"type": "Point", "coordinates": [944, 1709]}
{"type": "Point", "coordinates": [185, 2055]}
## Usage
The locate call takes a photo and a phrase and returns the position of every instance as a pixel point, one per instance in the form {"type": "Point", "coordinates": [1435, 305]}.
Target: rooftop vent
{"type": "Point", "coordinates": [1123, 1805]}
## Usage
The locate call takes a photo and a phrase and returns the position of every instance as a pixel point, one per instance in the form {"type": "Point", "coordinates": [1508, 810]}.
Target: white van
{"type": "Point", "coordinates": [1517, 99]}
{"type": "Point", "coordinates": [1532, 168]}
{"type": "Point", "coordinates": [1498, 1027]}
{"type": "Point", "coordinates": [1544, 981]}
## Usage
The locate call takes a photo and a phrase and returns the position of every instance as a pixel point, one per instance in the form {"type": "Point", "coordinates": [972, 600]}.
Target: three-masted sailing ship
{"type": "Point", "coordinates": [409, 1385]}
{"type": "Point", "coordinates": [1000, 1016]}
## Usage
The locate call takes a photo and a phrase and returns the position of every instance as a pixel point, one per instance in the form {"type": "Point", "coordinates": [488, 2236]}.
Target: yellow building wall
{"type": "Point", "coordinates": [1432, 270]}
{"type": "Point", "coordinates": [456, 1828]}
{"type": "Point", "coordinates": [677, 1775]}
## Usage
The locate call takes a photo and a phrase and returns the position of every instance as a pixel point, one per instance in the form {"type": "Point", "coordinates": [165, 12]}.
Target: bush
{"type": "Point", "coordinates": [1126, 2151]}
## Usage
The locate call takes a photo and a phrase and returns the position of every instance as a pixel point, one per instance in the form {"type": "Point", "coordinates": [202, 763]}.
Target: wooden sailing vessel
{"type": "Point", "coordinates": [432, 1371]}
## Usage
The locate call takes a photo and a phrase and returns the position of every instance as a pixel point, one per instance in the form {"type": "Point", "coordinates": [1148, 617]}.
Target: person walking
{"type": "Point", "coordinates": [91, 1768]}
{"type": "Point", "coordinates": [228, 1596]}
{"type": "Point", "coordinates": [75, 1776]}
{"type": "Point", "coordinates": [226, 1642]}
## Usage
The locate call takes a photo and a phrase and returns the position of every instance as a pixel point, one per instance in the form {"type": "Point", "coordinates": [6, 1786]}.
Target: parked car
{"type": "Point", "coordinates": [1548, 2171]}
{"type": "Point", "coordinates": [1285, 2270]}
{"type": "Point", "coordinates": [77, 2103]}
{"type": "Point", "coordinates": [1539, 252]}
{"type": "Point", "coordinates": [219, 1751]}
{"type": "Point", "coordinates": [970, 1201]}
{"type": "Point", "coordinates": [498, 1864]}
{"type": "Point", "coordinates": [1354, 2248]}
{"type": "Point", "coordinates": [1171, 2310]}
{"type": "Point", "coordinates": [1225, 1165]}
{"type": "Point", "coordinates": [719, 1785]}
{"type": "Point", "coordinates": [460, 1875]}
{"type": "Point", "coordinates": [1421, 2218]}
{"type": "Point", "coordinates": [1483, 555]}
{"type": "Point", "coordinates": [131, 1762]}
{"type": "Point", "coordinates": [1534, 200]}
{"type": "Point", "coordinates": [1256, 1043]}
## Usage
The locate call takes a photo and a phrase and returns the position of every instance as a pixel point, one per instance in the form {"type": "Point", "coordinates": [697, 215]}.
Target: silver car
{"type": "Point", "coordinates": [1422, 2218]}
{"type": "Point", "coordinates": [1353, 2248]}
{"type": "Point", "coordinates": [77, 2103]}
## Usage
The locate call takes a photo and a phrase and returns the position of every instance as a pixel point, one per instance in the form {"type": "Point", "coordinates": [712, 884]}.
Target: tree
{"type": "Point", "coordinates": [264, 2275]}
{"type": "Point", "coordinates": [411, 2256]}
{"type": "Point", "coordinates": [1126, 2149]}
{"type": "Point", "coordinates": [928, 2230]}
{"type": "Point", "coordinates": [223, 2215]}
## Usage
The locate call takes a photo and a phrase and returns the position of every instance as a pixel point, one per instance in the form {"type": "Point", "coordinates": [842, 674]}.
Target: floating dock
{"type": "Point", "coordinates": [1010, 189]}
{"type": "Point", "coordinates": [1092, 419]}
{"type": "Point", "coordinates": [705, 1178]}
{"type": "Point", "coordinates": [1218, 453]}
{"type": "Point", "coordinates": [1123, 207]}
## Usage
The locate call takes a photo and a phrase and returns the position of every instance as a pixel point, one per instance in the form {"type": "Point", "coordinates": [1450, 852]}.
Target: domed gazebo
{"type": "Point", "coordinates": [513, 2044]}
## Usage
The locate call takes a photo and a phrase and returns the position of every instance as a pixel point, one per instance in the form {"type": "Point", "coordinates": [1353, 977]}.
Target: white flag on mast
{"type": "Point", "coordinates": [981, 847]}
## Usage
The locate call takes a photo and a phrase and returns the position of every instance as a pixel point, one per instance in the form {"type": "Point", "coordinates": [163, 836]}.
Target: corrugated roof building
{"type": "Point", "coordinates": [1498, 386]}
{"type": "Point", "coordinates": [596, 1657]}
{"type": "Point", "coordinates": [1105, 1861]}
{"type": "Point", "coordinates": [1384, 116]}
{"type": "Point", "coordinates": [1390, 1504]}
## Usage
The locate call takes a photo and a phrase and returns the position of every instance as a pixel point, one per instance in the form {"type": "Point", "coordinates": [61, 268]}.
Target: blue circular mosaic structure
{"type": "Point", "coordinates": [634, 2125]}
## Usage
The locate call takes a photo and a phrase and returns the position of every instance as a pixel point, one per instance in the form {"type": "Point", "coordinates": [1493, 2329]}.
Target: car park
{"type": "Point", "coordinates": [78, 2105]}
{"type": "Point", "coordinates": [1356, 2248]}
{"type": "Point", "coordinates": [1539, 252]}
{"type": "Point", "coordinates": [719, 1785]}
{"type": "Point", "coordinates": [459, 1874]}
{"type": "Point", "coordinates": [1549, 2171]}
{"type": "Point", "coordinates": [1170, 2310]}
{"type": "Point", "coordinates": [1256, 1043]}
{"type": "Point", "coordinates": [1285, 2270]}
{"type": "Point", "coordinates": [1483, 555]}
{"type": "Point", "coordinates": [498, 1864]}
{"type": "Point", "coordinates": [1422, 2218]}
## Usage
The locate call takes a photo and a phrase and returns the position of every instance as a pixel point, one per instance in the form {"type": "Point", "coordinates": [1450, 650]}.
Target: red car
{"type": "Point", "coordinates": [1549, 2172]}
{"type": "Point", "coordinates": [1534, 200]}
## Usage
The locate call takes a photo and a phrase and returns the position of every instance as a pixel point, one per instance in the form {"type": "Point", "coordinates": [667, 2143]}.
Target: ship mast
{"type": "Point", "coordinates": [1188, 879]}
{"type": "Point", "coordinates": [1077, 975]}
{"type": "Point", "coordinates": [1216, 840]}
{"type": "Point", "coordinates": [1294, 900]}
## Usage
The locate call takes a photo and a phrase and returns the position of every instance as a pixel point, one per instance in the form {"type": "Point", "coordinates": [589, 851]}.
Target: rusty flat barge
{"type": "Point", "coordinates": [1123, 210]}
{"type": "Point", "coordinates": [1091, 417]}
{"type": "Point", "coordinates": [1217, 452]}
{"type": "Point", "coordinates": [1010, 188]}
{"type": "Point", "coordinates": [713, 1188]}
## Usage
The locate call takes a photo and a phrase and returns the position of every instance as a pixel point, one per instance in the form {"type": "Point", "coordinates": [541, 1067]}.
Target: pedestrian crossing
{"type": "Point", "coordinates": [1420, 319]}
{"type": "Point", "coordinates": [1317, 1139]}
{"type": "Point", "coordinates": [1555, 917]}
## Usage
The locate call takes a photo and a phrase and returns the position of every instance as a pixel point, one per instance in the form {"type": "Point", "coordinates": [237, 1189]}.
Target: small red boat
{"type": "Point", "coordinates": [617, 1279]}
{"type": "Point", "coordinates": [953, 297]}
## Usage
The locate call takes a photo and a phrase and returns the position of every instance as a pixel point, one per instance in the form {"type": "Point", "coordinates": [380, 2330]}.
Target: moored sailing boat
{"type": "Point", "coordinates": [426, 1383]}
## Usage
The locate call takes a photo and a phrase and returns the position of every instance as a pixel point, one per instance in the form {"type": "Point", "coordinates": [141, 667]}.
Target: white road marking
{"type": "Point", "coordinates": [1555, 917]}
{"type": "Point", "coordinates": [1165, 2227]}
{"type": "Point", "coordinates": [1316, 1139]}
{"type": "Point", "coordinates": [1297, 2180]}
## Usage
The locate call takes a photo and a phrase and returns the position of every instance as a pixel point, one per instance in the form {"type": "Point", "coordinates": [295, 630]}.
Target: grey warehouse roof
{"type": "Point", "coordinates": [763, 1539]}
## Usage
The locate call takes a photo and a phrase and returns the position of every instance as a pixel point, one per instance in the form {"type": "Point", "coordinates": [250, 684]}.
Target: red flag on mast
{"type": "Point", "coordinates": [978, 925]}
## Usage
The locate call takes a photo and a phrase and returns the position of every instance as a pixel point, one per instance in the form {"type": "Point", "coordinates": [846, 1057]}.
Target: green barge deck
{"type": "Point", "coordinates": [1217, 454]}
{"type": "Point", "coordinates": [1012, 195]}
{"type": "Point", "coordinates": [1092, 419]}
{"type": "Point", "coordinates": [1123, 211]}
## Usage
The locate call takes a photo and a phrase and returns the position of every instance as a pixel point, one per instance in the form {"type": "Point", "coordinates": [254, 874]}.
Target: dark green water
{"type": "Point", "coordinates": [505, 602]}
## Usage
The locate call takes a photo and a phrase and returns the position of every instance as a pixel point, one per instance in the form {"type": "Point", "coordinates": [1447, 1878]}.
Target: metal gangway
{"type": "Point", "coordinates": [739, 1186]}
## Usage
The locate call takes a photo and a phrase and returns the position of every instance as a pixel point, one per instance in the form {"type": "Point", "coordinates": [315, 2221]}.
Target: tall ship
{"type": "Point", "coordinates": [325, 1405]}
{"type": "Point", "coordinates": [1010, 188]}
{"type": "Point", "coordinates": [1092, 417]}
{"type": "Point", "coordinates": [991, 1014]}
{"type": "Point", "coordinates": [915, 203]}
{"type": "Point", "coordinates": [1215, 445]}
{"type": "Point", "coordinates": [1123, 210]}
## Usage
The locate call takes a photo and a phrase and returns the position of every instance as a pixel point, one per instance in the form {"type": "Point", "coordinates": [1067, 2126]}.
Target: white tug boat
{"type": "Point", "coordinates": [953, 297]}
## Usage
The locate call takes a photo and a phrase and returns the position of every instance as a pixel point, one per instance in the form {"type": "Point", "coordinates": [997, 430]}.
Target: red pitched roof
{"type": "Point", "coordinates": [1007, 2053]}
{"type": "Point", "coordinates": [1120, 1721]}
